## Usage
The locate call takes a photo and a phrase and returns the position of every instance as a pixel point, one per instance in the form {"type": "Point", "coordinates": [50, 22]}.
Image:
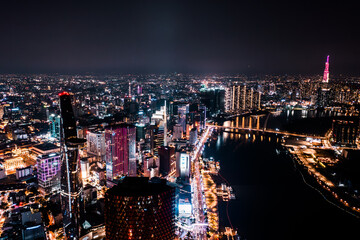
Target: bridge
{"type": "Point", "coordinates": [229, 128]}
{"type": "Point", "coordinates": [250, 121]}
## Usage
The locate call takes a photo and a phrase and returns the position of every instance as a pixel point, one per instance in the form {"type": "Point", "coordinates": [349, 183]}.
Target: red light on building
{"type": "Point", "coordinates": [63, 93]}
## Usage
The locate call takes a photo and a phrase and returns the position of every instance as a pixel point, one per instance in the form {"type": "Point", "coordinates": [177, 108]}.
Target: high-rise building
{"type": "Point", "coordinates": [54, 121]}
{"type": "Point", "coordinates": [177, 131]}
{"type": "Point", "coordinates": [166, 154]}
{"type": "Point", "coordinates": [96, 143]}
{"type": "Point", "coordinates": [213, 99]}
{"type": "Point", "coordinates": [202, 113]}
{"type": "Point", "coordinates": [139, 208]}
{"type": "Point", "coordinates": [323, 97]}
{"type": "Point", "coordinates": [140, 131]}
{"type": "Point", "coordinates": [183, 164]}
{"type": "Point", "coordinates": [71, 184]}
{"type": "Point", "coordinates": [48, 172]}
{"type": "Point", "coordinates": [240, 98]}
{"type": "Point", "coordinates": [345, 132]}
{"type": "Point", "coordinates": [183, 110]}
{"type": "Point", "coordinates": [120, 151]}
{"type": "Point", "coordinates": [193, 136]}
{"type": "Point", "coordinates": [326, 71]}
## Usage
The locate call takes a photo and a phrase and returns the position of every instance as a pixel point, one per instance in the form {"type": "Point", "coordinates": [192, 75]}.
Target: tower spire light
{"type": "Point", "coordinates": [326, 71]}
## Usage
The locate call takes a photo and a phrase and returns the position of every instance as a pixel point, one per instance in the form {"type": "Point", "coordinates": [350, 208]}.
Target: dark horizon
{"type": "Point", "coordinates": [178, 36]}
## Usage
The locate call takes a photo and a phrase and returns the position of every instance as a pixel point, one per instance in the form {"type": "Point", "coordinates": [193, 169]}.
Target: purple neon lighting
{"type": "Point", "coordinates": [326, 71]}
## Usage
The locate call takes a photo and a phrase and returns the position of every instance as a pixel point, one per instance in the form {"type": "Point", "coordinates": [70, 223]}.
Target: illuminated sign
{"type": "Point", "coordinates": [183, 161]}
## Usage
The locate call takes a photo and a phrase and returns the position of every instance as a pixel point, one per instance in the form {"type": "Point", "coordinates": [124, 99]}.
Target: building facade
{"type": "Point", "coordinates": [96, 143]}
{"type": "Point", "coordinates": [71, 183]}
{"type": "Point", "coordinates": [241, 98]}
{"type": "Point", "coordinates": [345, 132]}
{"type": "Point", "coordinates": [139, 208]}
{"type": "Point", "coordinates": [120, 141]}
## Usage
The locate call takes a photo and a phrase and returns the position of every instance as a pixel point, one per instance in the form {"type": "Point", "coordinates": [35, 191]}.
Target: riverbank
{"type": "Point", "coordinates": [272, 201]}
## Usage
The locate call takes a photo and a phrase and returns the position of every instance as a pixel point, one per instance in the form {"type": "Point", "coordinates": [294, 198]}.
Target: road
{"type": "Point", "coordinates": [199, 228]}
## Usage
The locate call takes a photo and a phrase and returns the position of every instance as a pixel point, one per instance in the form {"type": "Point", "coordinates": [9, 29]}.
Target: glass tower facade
{"type": "Point", "coordinates": [71, 184]}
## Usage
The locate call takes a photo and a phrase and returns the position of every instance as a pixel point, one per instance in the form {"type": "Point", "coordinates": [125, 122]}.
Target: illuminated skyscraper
{"type": "Point", "coordinates": [71, 184]}
{"type": "Point", "coordinates": [241, 98]}
{"type": "Point", "coordinates": [120, 141]}
{"type": "Point", "coordinates": [54, 121]}
{"type": "Point", "coordinates": [96, 143]}
{"type": "Point", "coordinates": [326, 71]}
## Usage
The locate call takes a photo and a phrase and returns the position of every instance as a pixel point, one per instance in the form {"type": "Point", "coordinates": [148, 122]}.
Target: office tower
{"type": "Point", "coordinates": [183, 110]}
{"type": "Point", "coordinates": [54, 121]}
{"type": "Point", "coordinates": [129, 89]}
{"type": "Point", "coordinates": [326, 71]}
{"type": "Point", "coordinates": [48, 172]}
{"type": "Point", "coordinates": [120, 141]}
{"type": "Point", "coordinates": [213, 99]}
{"type": "Point", "coordinates": [132, 150]}
{"type": "Point", "coordinates": [344, 132]}
{"type": "Point", "coordinates": [96, 143]}
{"type": "Point", "coordinates": [165, 125]}
{"type": "Point", "coordinates": [140, 131]}
{"type": "Point", "coordinates": [71, 184]}
{"type": "Point", "coordinates": [323, 97]}
{"type": "Point", "coordinates": [193, 136]}
{"type": "Point", "coordinates": [165, 154]}
{"type": "Point", "coordinates": [160, 137]}
{"type": "Point", "coordinates": [177, 131]}
{"type": "Point", "coordinates": [183, 164]}
{"type": "Point", "coordinates": [139, 208]}
{"type": "Point", "coordinates": [151, 137]}
{"type": "Point", "coordinates": [202, 113]}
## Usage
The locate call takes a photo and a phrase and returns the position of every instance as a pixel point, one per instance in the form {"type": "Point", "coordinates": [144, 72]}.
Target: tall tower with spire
{"type": "Point", "coordinates": [326, 71]}
{"type": "Point", "coordinates": [129, 89]}
{"type": "Point", "coordinates": [71, 184]}
{"type": "Point", "coordinates": [165, 126]}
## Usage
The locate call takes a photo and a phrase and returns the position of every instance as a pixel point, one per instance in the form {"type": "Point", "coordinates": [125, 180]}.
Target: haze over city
{"type": "Point", "coordinates": [178, 36]}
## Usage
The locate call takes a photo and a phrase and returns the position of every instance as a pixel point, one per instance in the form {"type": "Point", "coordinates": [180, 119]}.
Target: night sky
{"type": "Point", "coordinates": [179, 36]}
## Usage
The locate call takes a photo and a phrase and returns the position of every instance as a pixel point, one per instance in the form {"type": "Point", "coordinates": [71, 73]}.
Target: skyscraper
{"type": "Point", "coordinates": [48, 167]}
{"type": "Point", "coordinates": [241, 98]}
{"type": "Point", "coordinates": [177, 131]}
{"type": "Point", "coordinates": [96, 143]}
{"type": "Point", "coordinates": [54, 121]}
{"type": "Point", "coordinates": [138, 208]}
{"type": "Point", "coordinates": [71, 184]}
{"type": "Point", "coordinates": [326, 71]}
{"type": "Point", "coordinates": [120, 141]}
{"type": "Point", "coordinates": [166, 154]}
{"type": "Point", "coordinates": [345, 132]}
{"type": "Point", "coordinates": [193, 136]}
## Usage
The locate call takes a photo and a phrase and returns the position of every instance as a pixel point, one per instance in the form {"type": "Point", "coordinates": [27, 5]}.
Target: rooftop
{"type": "Point", "coordinates": [46, 147]}
{"type": "Point", "coordinates": [139, 186]}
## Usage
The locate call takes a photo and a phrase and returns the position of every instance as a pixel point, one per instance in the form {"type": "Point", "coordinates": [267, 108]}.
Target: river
{"type": "Point", "coordinates": [272, 200]}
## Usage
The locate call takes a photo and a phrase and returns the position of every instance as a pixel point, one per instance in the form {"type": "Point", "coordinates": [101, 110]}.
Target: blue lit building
{"type": "Point", "coordinates": [54, 121]}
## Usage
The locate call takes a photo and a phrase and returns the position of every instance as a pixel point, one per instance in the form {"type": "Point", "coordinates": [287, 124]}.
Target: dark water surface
{"type": "Point", "coordinates": [272, 200]}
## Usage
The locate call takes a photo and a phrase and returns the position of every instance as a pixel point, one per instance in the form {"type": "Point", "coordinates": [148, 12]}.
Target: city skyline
{"type": "Point", "coordinates": [178, 36]}
{"type": "Point", "coordinates": [179, 120]}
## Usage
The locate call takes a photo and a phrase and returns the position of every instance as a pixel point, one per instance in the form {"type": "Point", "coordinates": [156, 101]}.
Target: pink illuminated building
{"type": "Point", "coordinates": [326, 71]}
{"type": "Point", "coordinates": [120, 151]}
